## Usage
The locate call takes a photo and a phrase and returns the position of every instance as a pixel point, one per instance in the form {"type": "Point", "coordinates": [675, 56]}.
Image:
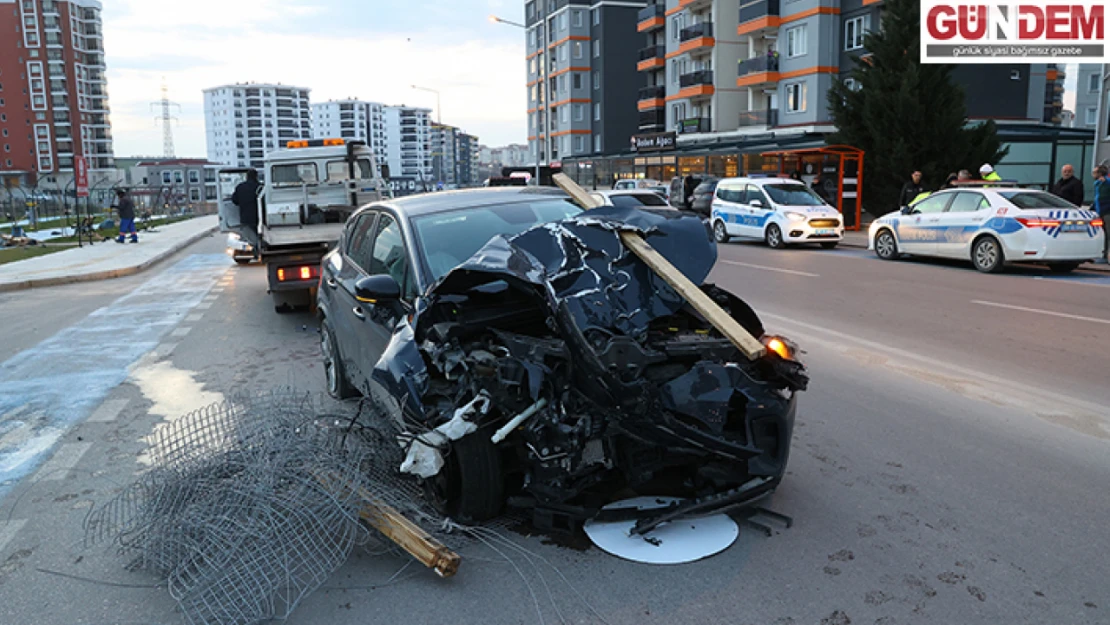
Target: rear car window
{"type": "Point", "coordinates": [637, 200]}
{"type": "Point", "coordinates": [1035, 199]}
{"type": "Point", "coordinates": [449, 238]}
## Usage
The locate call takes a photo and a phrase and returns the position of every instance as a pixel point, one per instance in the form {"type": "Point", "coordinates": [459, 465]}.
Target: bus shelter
{"type": "Point", "coordinates": [841, 169]}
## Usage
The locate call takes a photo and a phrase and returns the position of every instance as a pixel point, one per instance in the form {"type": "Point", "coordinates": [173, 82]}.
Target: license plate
{"type": "Point", "coordinates": [1076, 227]}
{"type": "Point", "coordinates": [823, 231]}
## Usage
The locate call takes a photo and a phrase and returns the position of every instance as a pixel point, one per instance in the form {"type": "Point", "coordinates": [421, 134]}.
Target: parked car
{"type": "Point", "coordinates": [523, 355]}
{"type": "Point", "coordinates": [635, 183]}
{"type": "Point", "coordinates": [637, 198]}
{"type": "Point", "coordinates": [991, 227]}
{"type": "Point", "coordinates": [780, 211]}
{"type": "Point", "coordinates": [702, 201]}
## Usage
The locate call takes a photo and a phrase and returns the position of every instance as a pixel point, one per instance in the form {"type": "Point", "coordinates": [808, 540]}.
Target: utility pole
{"type": "Point", "coordinates": [167, 120]}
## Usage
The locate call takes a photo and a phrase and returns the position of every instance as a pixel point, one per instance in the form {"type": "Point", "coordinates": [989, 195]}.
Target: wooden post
{"type": "Point", "coordinates": [741, 338]}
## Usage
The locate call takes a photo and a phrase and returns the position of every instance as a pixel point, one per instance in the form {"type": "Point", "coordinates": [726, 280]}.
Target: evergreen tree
{"type": "Point", "coordinates": [906, 115]}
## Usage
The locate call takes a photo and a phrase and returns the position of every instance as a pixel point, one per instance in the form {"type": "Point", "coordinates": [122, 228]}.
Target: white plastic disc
{"type": "Point", "coordinates": [676, 542]}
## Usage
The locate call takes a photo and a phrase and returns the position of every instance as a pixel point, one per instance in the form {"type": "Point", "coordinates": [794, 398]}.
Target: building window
{"type": "Point", "coordinates": [854, 30]}
{"type": "Point", "coordinates": [563, 52]}
{"type": "Point", "coordinates": [577, 49]}
{"type": "Point", "coordinates": [576, 80]}
{"type": "Point", "coordinates": [597, 79]}
{"type": "Point", "coordinates": [1092, 116]}
{"type": "Point", "coordinates": [531, 66]}
{"type": "Point", "coordinates": [597, 143]}
{"type": "Point", "coordinates": [796, 97]}
{"type": "Point", "coordinates": [597, 16]}
{"type": "Point", "coordinates": [533, 93]}
{"type": "Point", "coordinates": [530, 10]}
{"type": "Point", "coordinates": [194, 176]}
{"type": "Point", "coordinates": [562, 84]}
{"type": "Point", "coordinates": [178, 177]}
{"type": "Point", "coordinates": [579, 114]}
{"type": "Point", "coordinates": [796, 41]}
{"type": "Point", "coordinates": [578, 148]}
{"type": "Point", "coordinates": [564, 115]}
{"type": "Point", "coordinates": [166, 177]}
{"type": "Point", "coordinates": [578, 18]}
{"type": "Point", "coordinates": [597, 48]}
{"type": "Point", "coordinates": [532, 38]}
{"type": "Point", "coordinates": [676, 26]}
{"type": "Point", "coordinates": [1092, 83]}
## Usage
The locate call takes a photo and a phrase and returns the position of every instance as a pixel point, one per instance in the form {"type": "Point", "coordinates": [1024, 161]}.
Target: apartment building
{"type": "Point", "coordinates": [1102, 131]}
{"type": "Point", "coordinates": [244, 121]}
{"type": "Point", "coordinates": [1088, 90]}
{"type": "Point", "coordinates": [53, 91]}
{"type": "Point", "coordinates": [409, 142]}
{"type": "Point", "coordinates": [466, 160]}
{"type": "Point", "coordinates": [356, 120]}
{"type": "Point", "coordinates": [160, 183]}
{"type": "Point", "coordinates": [444, 155]}
{"type": "Point", "coordinates": [582, 80]}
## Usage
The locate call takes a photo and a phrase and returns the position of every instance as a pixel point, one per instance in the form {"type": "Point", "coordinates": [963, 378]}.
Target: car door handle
{"type": "Point", "coordinates": [358, 313]}
{"type": "Point", "coordinates": [332, 283]}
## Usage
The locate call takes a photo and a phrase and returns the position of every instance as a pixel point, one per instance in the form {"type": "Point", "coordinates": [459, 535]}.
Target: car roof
{"type": "Point", "coordinates": [643, 191]}
{"type": "Point", "coordinates": [759, 181]}
{"type": "Point", "coordinates": [442, 201]}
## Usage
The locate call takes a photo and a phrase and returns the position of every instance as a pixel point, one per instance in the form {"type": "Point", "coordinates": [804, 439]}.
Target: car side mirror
{"type": "Point", "coordinates": [756, 203]}
{"type": "Point", "coordinates": [377, 289]}
{"type": "Point", "coordinates": [906, 210]}
{"type": "Point", "coordinates": [384, 170]}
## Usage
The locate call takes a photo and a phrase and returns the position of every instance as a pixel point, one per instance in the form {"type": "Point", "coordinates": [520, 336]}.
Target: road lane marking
{"type": "Point", "coordinates": [163, 350]}
{"type": "Point", "coordinates": [194, 317]}
{"type": "Point", "coordinates": [181, 332]}
{"type": "Point", "coordinates": [8, 530]}
{"type": "Point", "coordinates": [1080, 282]}
{"type": "Point", "coordinates": [1041, 312]}
{"type": "Point", "coordinates": [210, 298]}
{"type": "Point", "coordinates": [59, 465]}
{"type": "Point", "coordinates": [108, 411]}
{"type": "Point", "coordinates": [204, 306]}
{"type": "Point", "coordinates": [766, 268]}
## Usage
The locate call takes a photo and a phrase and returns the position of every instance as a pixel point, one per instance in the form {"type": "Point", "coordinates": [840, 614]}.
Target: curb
{"type": "Point", "coordinates": [862, 245]}
{"type": "Point", "coordinates": [110, 273]}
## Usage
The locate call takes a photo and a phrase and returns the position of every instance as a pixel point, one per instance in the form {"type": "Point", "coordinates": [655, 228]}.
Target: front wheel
{"type": "Point", "coordinates": [471, 485]}
{"type": "Point", "coordinates": [334, 374]}
{"type": "Point", "coordinates": [886, 247]}
{"type": "Point", "coordinates": [720, 233]}
{"type": "Point", "coordinates": [773, 236]}
{"type": "Point", "coordinates": [1062, 267]}
{"type": "Point", "coordinates": [987, 255]}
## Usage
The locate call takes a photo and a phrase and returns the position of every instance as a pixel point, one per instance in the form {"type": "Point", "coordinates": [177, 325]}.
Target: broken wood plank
{"type": "Point", "coordinates": [406, 534]}
{"type": "Point", "coordinates": [741, 338]}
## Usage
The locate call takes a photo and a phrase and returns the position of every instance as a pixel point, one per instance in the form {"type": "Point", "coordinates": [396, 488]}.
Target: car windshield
{"type": "Point", "coordinates": [449, 238]}
{"type": "Point", "coordinates": [1035, 199]}
{"type": "Point", "coordinates": [792, 195]}
{"type": "Point", "coordinates": [636, 200]}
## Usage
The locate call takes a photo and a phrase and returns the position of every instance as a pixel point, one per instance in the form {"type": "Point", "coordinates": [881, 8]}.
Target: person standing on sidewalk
{"type": "Point", "coordinates": [126, 209]}
{"type": "Point", "coordinates": [1101, 205]}
{"type": "Point", "coordinates": [1068, 187]}
{"type": "Point", "coordinates": [911, 190]}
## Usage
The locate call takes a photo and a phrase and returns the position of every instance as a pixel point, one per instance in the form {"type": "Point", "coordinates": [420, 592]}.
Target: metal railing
{"type": "Point", "coordinates": [700, 77]}
{"type": "Point", "coordinates": [704, 29]}
{"type": "Point", "coordinates": [759, 117]}
{"type": "Point", "coordinates": [759, 64]}
{"type": "Point", "coordinates": [652, 52]}
{"type": "Point", "coordinates": [695, 124]}
{"type": "Point", "coordinates": [758, 9]}
{"type": "Point", "coordinates": [652, 93]}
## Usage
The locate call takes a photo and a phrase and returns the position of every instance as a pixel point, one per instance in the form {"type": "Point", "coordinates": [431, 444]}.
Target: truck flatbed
{"type": "Point", "coordinates": [285, 236]}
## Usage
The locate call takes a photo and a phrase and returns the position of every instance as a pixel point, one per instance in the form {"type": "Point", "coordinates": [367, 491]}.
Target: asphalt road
{"type": "Point", "coordinates": [949, 466]}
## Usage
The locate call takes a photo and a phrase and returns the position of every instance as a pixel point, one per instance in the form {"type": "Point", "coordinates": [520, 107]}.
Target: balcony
{"type": "Point", "coordinates": [696, 39]}
{"type": "Point", "coordinates": [653, 121]}
{"type": "Point", "coordinates": [653, 97]}
{"type": "Point", "coordinates": [762, 70]}
{"type": "Point", "coordinates": [704, 29]}
{"type": "Point", "coordinates": [756, 18]}
{"type": "Point", "coordinates": [695, 124]}
{"type": "Point", "coordinates": [765, 118]}
{"type": "Point", "coordinates": [651, 18]}
{"type": "Point", "coordinates": [651, 58]}
{"type": "Point", "coordinates": [694, 79]}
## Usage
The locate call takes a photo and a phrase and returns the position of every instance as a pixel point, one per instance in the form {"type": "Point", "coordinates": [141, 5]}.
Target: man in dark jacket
{"type": "Point", "coordinates": [126, 209]}
{"type": "Point", "coordinates": [246, 198]}
{"type": "Point", "coordinates": [1101, 205]}
{"type": "Point", "coordinates": [911, 190]}
{"type": "Point", "coordinates": [1068, 187]}
{"type": "Point", "coordinates": [818, 186]}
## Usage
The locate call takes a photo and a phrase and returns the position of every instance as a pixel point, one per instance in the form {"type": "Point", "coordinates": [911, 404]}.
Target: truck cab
{"type": "Point", "coordinates": [309, 189]}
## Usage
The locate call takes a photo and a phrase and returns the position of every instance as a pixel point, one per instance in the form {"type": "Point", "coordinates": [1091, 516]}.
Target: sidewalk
{"type": "Point", "coordinates": [859, 239]}
{"type": "Point", "coordinates": [105, 260]}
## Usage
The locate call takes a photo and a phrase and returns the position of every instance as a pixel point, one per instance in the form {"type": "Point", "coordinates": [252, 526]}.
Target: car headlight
{"type": "Point", "coordinates": [795, 216]}
{"type": "Point", "coordinates": [783, 347]}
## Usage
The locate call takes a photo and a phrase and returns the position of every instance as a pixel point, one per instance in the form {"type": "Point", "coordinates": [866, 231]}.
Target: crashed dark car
{"type": "Point", "coordinates": [528, 358]}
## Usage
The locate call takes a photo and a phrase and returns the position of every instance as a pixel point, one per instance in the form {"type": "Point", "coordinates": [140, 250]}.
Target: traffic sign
{"type": "Point", "coordinates": [81, 173]}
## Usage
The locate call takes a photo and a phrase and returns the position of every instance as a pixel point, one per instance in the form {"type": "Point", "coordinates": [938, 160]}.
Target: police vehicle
{"type": "Point", "coordinates": [991, 226]}
{"type": "Point", "coordinates": [778, 210]}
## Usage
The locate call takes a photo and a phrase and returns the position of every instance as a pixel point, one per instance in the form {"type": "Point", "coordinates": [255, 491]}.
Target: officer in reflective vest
{"type": "Point", "coordinates": [988, 173]}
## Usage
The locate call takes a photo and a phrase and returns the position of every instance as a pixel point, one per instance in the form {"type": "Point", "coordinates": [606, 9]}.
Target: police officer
{"type": "Point", "coordinates": [988, 173]}
{"type": "Point", "coordinates": [912, 190]}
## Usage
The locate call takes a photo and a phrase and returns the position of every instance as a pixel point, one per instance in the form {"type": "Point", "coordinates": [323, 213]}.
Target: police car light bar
{"type": "Point", "coordinates": [315, 143]}
{"type": "Point", "coordinates": [986, 183]}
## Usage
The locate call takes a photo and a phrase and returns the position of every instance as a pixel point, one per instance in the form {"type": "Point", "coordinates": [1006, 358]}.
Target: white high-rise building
{"type": "Point", "coordinates": [351, 119]}
{"type": "Point", "coordinates": [408, 142]}
{"type": "Point", "coordinates": [244, 121]}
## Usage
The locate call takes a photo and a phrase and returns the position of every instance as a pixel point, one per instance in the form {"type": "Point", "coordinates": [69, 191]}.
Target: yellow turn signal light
{"type": "Point", "coordinates": [777, 345]}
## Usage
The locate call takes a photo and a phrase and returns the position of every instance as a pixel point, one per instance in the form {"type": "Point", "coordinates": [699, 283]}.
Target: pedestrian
{"type": "Point", "coordinates": [126, 209]}
{"type": "Point", "coordinates": [246, 198]}
{"type": "Point", "coordinates": [1101, 205]}
{"type": "Point", "coordinates": [689, 183]}
{"type": "Point", "coordinates": [911, 189]}
{"type": "Point", "coordinates": [988, 173]}
{"type": "Point", "coordinates": [796, 175]}
{"type": "Point", "coordinates": [950, 181]}
{"type": "Point", "coordinates": [818, 187]}
{"type": "Point", "coordinates": [963, 176]}
{"type": "Point", "coordinates": [1068, 187]}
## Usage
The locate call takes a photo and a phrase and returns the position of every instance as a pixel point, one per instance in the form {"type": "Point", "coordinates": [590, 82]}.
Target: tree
{"type": "Point", "coordinates": [906, 115]}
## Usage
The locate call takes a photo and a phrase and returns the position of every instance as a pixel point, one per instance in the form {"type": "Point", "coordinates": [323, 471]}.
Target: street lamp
{"type": "Point", "coordinates": [541, 121]}
{"type": "Point", "coordinates": [439, 111]}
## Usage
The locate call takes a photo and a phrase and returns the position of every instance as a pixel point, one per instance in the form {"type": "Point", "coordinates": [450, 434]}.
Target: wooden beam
{"type": "Point", "coordinates": [741, 338]}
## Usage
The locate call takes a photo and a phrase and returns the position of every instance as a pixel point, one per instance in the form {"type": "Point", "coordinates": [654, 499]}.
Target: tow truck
{"type": "Point", "coordinates": [309, 189]}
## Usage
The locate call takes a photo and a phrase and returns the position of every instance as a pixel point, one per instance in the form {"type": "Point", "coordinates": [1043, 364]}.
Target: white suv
{"type": "Point", "coordinates": [780, 211]}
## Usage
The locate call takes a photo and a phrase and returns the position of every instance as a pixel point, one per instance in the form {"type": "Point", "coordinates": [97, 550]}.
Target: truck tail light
{"type": "Point", "coordinates": [1037, 222]}
{"type": "Point", "coordinates": [301, 272]}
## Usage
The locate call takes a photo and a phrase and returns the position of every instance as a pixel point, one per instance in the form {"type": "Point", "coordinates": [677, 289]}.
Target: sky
{"type": "Point", "coordinates": [368, 49]}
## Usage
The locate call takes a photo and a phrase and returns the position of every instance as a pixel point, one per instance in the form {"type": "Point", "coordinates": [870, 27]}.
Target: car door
{"type": "Point", "coordinates": [760, 210]}
{"type": "Point", "coordinates": [919, 231]}
{"type": "Point", "coordinates": [375, 322]}
{"type": "Point", "coordinates": [338, 276]}
{"type": "Point", "coordinates": [728, 206]}
{"type": "Point", "coordinates": [960, 221]}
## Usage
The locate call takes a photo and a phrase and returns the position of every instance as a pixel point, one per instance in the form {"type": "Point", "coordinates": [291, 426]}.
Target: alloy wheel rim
{"type": "Point", "coordinates": [720, 231]}
{"type": "Point", "coordinates": [987, 255]}
{"type": "Point", "coordinates": [773, 236]}
{"type": "Point", "coordinates": [885, 245]}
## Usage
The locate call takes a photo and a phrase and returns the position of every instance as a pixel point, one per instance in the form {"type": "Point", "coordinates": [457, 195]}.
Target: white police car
{"type": "Point", "coordinates": [780, 211]}
{"type": "Point", "coordinates": [991, 226]}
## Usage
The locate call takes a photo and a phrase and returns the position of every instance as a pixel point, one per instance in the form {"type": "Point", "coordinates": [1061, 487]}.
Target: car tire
{"type": "Point", "coordinates": [987, 255]}
{"type": "Point", "coordinates": [470, 487]}
{"type": "Point", "coordinates": [243, 261]}
{"type": "Point", "coordinates": [1063, 267]}
{"type": "Point", "coordinates": [773, 237]}
{"type": "Point", "coordinates": [335, 377]}
{"type": "Point", "coordinates": [720, 232]}
{"type": "Point", "coordinates": [886, 246]}
{"type": "Point", "coordinates": [830, 245]}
